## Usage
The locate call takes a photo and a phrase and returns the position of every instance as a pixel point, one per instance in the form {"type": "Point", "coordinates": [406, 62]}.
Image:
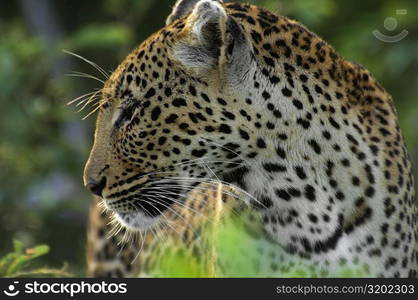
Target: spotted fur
{"type": "Point", "coordinates": [232, 92]}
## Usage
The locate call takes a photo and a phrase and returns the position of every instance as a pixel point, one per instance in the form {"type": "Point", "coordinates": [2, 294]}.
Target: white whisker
{"type": "Point", "coordinates": [96, 66]}
{"type": "Point", "coordinates": [80, 98]}
{"type": "Point", "coordinates": [84, 75]}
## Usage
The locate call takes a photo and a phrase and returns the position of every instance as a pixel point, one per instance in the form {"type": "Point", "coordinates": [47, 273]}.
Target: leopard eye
{"type": "Point", "coordinates": [124, 115]}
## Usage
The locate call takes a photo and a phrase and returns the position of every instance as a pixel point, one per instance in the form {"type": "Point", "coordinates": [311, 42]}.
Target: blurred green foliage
{"type": "Point", "coordinates": [219, 243]}
{"type": "Point", "coordinates": [44, 144]}
{"type": "Point", "coordinates": [15, 264]}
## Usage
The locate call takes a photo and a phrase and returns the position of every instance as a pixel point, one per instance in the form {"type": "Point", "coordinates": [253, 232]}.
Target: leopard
{"type": "Point", "coordinates": [233, 109]}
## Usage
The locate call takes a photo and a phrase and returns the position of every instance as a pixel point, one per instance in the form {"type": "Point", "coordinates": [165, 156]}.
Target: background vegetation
{"type": "Point", "coordinates": [44, 143]}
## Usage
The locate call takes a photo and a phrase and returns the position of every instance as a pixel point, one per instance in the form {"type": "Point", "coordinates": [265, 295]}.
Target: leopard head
{"type": "Point", "coordinates": [177, 112]}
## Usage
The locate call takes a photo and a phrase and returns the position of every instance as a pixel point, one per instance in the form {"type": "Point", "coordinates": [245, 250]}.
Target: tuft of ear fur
{"type": "Point", "coordinates": [200, 46]}
{"type": "Point", "coordinates": [213, 41]}
{"type": "Point", "coordinates": [182, 8]}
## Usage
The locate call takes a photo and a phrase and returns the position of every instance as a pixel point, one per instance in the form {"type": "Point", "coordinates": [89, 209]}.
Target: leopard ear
{"type": "Point", "coordinates": [182, 8]}
{"type": "Point", "coordinates": [212, 40]}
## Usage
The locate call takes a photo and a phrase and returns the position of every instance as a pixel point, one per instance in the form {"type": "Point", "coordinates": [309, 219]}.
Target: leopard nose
{"type": "Point", "coordinates": [96, 186]}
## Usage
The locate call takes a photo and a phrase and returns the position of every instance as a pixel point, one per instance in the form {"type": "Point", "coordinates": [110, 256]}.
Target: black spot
{"type": "Point", "coordinates": [142, 134]}
{"type": "Point", "coordinates": [209, 128]}
{"type": "Point", "coordinates": [339, 195]}
{"type": "Point", "coordinates": [274, 79]}
{"type": "Point", "coordinates": [300, 172]}
{"type": "Point", "coordinates": [205, 97]}
{"type": "Point", "coordinates": [390, 262]}
{"type": "Point", "coordinates": [225, 128]}
{"type": "Point", "coordinates": [229, 115]}
{"type": "Point", "coordinates": [334, 123]}
{"type": "Point", "coordinates": [297, 104]}
{"type": "Point", "coordinates": [352, 139]}
{"type": "Point", "coordinates": [199, 153]}
{"type": "Point", "coordinates": [272, 167]}
{"type": "Point", "coordinates": [155, 113]}
{"type": "Point", "coordinates": [192, 90]}
{"type": "Point", "coordinates": [318, 89]}
{"type": "Point", "coordinates": [304, 123]}
{"type": "Point", "coordinates": [270, 125]}
{"type": "Point", "coordinates": [263, 203]}
{"type": "Point", "coordinates": [178, 102]}
{"type": "Point", "coordinates": [374, 149]}
{"type": "Point", "coordinates": [282, 136]}
{"type": "Point", "coordinates": [187, 142]}
{"type": "Point", "coordinates": [221, 101]}
{"type": "Point", "coordinates": [286, 92]}
{"type": "Point", "coordinates": [150, 93]}
{"type": "Point", "coordinates": [161, 140]}
{"type": "Point", "coordinates": [269, 61]}
{"type": "Point", "coordinates": [280, 152]}
{"type": "Point", "coordinates": [313, 218]}
{"type": "Point", "coordinates": [261, 143]}
{"type": "Point", "coordinates": [355, 181]}
{"type": "Point", "coordinates": [345, 162]}
{"type": "Point", "coordinates": [256, 36]}
{"type": "Point", "coordinates": [171, 118]}
{"type": "Point", "coordinates": [184, 126]}
{"type": "Point", "coordinates": [303, 78]}
{"type": "Point", "coordinates": [326, 135]}
{"type": "Point", "coordinates": [244, 134]}
{"type": "Point", "coordinates": [282, 194]}
{"type": "Point", "coordinates": [294, 192]}
{"type": "Point", "coordinates": [310, 192]}
{"type": "Point", "coordinates": [141, 54]}
{"type": "Point", "coordinates": [370, 191]}
{"type": "Point", "coordinates": [277, 113]}
{"type": "Point", "coordinates": [193, 118]}
{"type": "Point", "coordinates": [167, 92]}
{"type": "Point", "coordinates": [315, 146]}
{"type": "Point", "coordinates": [266, 95]}
{"type": "Point", "coordinates": [150, 147]}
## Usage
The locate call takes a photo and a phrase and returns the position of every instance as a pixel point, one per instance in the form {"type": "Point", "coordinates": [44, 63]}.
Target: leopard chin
{"type": "Point", "coordinates": [136, 221]}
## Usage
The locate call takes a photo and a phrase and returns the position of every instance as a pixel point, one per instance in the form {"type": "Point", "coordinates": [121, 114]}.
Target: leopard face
{"type": "Point", "coordinates": [172, 116]}
{"type": "Point", "coordinates": [233, 93]}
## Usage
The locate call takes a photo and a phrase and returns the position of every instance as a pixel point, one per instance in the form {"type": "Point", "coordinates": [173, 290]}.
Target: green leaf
{"type": "Point", "coordinates": [22, 259]}
{"type": "Point", "coordinates": [37, 251]}
{"type": "Point", "coordinates": [12, 263]}
{"type": "Point", "coordinates": [5, 263]}
{"type": "Point", "coordinates": [18, 246]}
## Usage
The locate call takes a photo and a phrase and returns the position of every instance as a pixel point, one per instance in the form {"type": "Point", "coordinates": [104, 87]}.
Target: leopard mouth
{"type": "Point", "coordinates": [147, 204]}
